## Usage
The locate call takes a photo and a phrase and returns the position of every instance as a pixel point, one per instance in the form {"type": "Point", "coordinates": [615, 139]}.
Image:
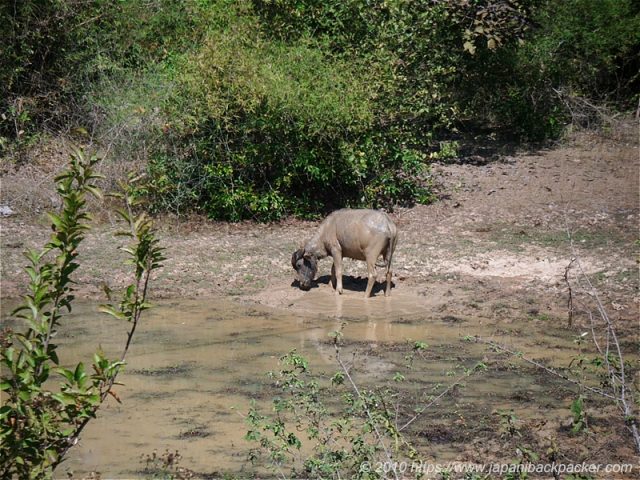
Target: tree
{"type": "Point", "coordinates": [39, 424]}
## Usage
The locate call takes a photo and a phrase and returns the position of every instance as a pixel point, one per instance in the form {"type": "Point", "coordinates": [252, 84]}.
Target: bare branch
{"type": "Point", "coordinates": [357, 390]}
{"type": "Point", "coordinates": [544, 367]}
{"type": "Point", "coordinates": [616, 376]}
{"type": "Point", "coordinates": [442, 394]}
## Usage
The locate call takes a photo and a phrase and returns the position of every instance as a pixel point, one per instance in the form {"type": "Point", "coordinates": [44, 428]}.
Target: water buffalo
{"type": "Point", "coordinates": [358, 234]}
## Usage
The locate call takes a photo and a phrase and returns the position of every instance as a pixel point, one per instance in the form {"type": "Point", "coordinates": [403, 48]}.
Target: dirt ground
{"type": "Point", "coordinates": [495, 246]}
{"type": "Point", "coordinates": [501, 226]}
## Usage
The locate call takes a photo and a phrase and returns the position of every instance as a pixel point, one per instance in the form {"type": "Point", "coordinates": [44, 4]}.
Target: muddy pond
{"type": "Point", "coordinates": [195, 366]}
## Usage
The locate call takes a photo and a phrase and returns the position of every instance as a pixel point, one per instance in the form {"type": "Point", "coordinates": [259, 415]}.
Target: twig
{"type": "Point", "coordinates": [570, 299]}
{"type": "Point", "coordinates": [544, 367]}
{"type": "Point", "coordinates": [618, 380]}
{"type": "Point", "coordinates": [442, 394]}
{"type": "Point", "coordinates": [357, 390]}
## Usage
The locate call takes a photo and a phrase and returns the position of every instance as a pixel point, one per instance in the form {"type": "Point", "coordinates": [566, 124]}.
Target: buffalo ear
{"type": "Point", "coordinates": [297, 255]}
{"type": "Point", "coordinates": [311, 258]}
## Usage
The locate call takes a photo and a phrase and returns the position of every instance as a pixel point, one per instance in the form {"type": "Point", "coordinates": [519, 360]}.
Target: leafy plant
{"type": "Point", "coordinates": [579, 423]}
{"type": "Point", "coordinates": [363, 434]}
{"type": "Point", "coordinates": [166, 466]}
{"type": "Point", "coordinates": [38, 423]}
{"type": "Point", "coordinates": [508, 423]}
{"type": "Point", "coordinates": [335, 427]}
{"type": "Point", "coordinates": [448, 151]}
{"type": "Point", "coordinates": [260, 109]}
{"type": "Point", "coordinates": [577, 48]}
{"type": "Point", "coordinates": [57, 53]}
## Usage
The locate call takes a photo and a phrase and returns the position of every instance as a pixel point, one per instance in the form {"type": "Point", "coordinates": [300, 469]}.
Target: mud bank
{"type": "Point", "coordinates": [196, 366]}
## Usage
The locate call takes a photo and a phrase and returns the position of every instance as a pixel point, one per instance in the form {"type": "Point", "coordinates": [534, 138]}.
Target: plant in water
{"type": "Point", "coordinates": [335, 427]}
{"type": "Point", "coordinates": [579, 422]}
{"type": "Point", "coordinates": [350, 443]}
{"type": "Point", "coordinates": [166, 466]}
{"type": "Point", "coordinates": [508, 423]}
{"type": "Point", "coordinates": [40, 420]}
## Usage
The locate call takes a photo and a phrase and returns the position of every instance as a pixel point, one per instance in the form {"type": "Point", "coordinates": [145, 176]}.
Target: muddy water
{"type": "Point", "coordinates": [195, 366]}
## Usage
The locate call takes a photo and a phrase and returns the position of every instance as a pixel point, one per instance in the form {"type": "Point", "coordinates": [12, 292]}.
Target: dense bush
{"type": "Point", "coordinates": [55, 52]}
{"type": "Point", "coordinates": [584, 48]}
{"type": "Point", "coordinates": [264, 128]}
{"type": "Point", "coordinates": [266, 108]}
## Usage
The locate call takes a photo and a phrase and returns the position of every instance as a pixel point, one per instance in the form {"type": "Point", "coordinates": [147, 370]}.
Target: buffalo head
{"type": "Point", "coordinates": [306, 266]}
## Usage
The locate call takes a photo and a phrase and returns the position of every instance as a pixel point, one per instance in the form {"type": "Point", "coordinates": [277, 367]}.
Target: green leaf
{"type": "Point", "coordinates": [98, 358]}
{"type": "Point", "coordinates": [53, 355]}
{"type": "Point", "coordinates": [28, 346]}
{"type": "Point", "coordinates": [94, 191]}
{"type": "Point", "coordinates": [63, 398]}
{"type": "Point", "coordinates": [420, 346]}
{"type": "Point", "coordinates": [79, 373]}
{"type": "Point", "coordinates": [5, 411]}
{"type": "Point", "coordinates": [68, 374]}
{"type": "Point", "coordinates": [56, 220]}
{"type": "Point", "coordinates": [24, 395]}
{"type": "Point", "coordinates": [8, 354]}
{"type": "Point", "coordinates": [111, 310]}
{"type": "Point", "coordinates": [469, 47]}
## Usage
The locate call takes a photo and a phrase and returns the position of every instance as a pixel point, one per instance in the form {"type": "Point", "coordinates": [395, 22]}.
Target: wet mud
{"type": "Point", "coordinates": [196, 365]}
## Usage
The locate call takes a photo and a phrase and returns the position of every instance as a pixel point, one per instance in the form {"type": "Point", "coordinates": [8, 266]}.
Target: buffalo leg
{"type": "Point", "coordinates": [336, 270]}
{"type": "Point", "coordinates": [388, 255]}
{"type": "Point", "coordinates": [387, 291]}
{"type": "Point", "coordinates": [371, 267]}
{"type": "Point", "coordinates": [333, 276]}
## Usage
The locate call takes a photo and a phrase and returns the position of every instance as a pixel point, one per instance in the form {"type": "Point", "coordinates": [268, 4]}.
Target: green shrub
{"type": "Point", "coordinates": [40, 422]}
{"type": "Point", "coordinates": [582, 48]}
{"type": "Point", "coordinates": [54, 52]}
{"type": "Point", "coordinates": [266, 108]}
{"type": "Point", "coordinates": [263, 129]}
{"type": "Point", "coordinates": [347, 432]}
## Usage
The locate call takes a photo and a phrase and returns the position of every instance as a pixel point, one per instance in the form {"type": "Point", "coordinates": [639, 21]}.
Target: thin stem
{"type": "Point", "coordinates": [544, 367]}
{"type": "Point", "coordinates": [357, 390]}
{"type": "Point", "coordinates": [618, 381]}
{"type": "Point", "coordinates": [442, 394]}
